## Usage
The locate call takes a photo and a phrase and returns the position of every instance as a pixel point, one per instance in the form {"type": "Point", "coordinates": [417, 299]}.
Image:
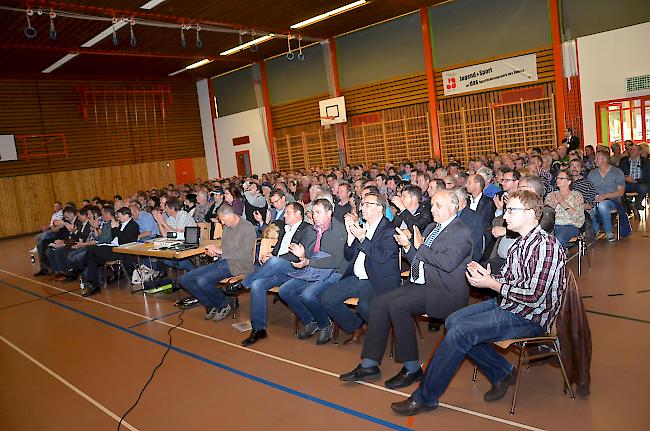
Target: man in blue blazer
{"type": "Point", "coordinates": [437, 287]}
{"type": "Point", "coordinates": [374, 254]}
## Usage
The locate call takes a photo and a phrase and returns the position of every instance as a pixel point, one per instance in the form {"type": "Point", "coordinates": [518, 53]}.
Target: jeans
{"type": "Point", "coordinates": [470, 332]}
{"type": "Point", "coordinates": [640, 188]}
{"type": "Point", "coordinates": [201, 284]}
{"type": "Point", "coordinates": [564, 232]}
{"type": "Point", "coordinates": [184, 264]}
{"type": "Point", "coordinates": [601, 213]}
{"type": "Point", "coordinates": [302, 297]}
{"type": "Point", "coordinates": [77, 258]}
{"type": "Point", "coordinates": [272, 273]}
{"type": "Point", "coordinates": [349, 287]}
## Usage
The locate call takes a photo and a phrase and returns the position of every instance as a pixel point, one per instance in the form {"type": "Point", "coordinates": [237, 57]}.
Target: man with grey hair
{"type": "Point", "coordinates": [436, 286]}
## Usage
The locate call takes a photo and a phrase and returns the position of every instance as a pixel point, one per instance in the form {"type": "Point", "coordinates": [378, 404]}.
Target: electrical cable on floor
{"type": "Point", "coordinates": [153, 373]}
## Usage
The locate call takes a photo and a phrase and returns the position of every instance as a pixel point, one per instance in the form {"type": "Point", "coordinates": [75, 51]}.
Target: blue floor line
{"type": "Point", "coordinates": [224, 367]}
{"type": "Point", "coordinates": [154, 319]}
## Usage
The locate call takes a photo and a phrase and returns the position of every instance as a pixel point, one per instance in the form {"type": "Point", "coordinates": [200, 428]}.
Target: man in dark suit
{"type": "Point", "coordinates": [410, 210]}
{"type": "Point", "coordinates": [437, 287]}
{"type": "Point", "coordinates": [123, 233]}
{"type": "Point", "coordinates": [375, 267]}
{"type": "Point", "coordinates": [572, 142]}
{"type": "Point", "coordinates": [472, 220]}
{"type": "Point", "coordinates": [483, 205]}
{"type": "Point", "coordinates": [274, 269]}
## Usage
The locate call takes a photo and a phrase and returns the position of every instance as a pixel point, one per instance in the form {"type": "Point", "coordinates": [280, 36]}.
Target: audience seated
{"type": "Point", "coordinates": [569, 209]}
{"type": "Point", "coordinates": [609, 183]}
{"type": "Point", "coordinates": [437, 286]}
{"type": "Point", "coordinates": [637, 174]}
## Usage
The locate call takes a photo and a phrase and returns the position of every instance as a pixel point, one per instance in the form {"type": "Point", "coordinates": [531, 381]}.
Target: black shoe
{"type": "Point", "coordinates": [111, 279]}
{"type": "Point", "coordinates": [42, 272]}
{"type": "Point", "coordinates": [235, 288]}
{"type": "Point", "coordinates": [403, 379]}
{"type": "Point", "coordinates": [499, 390]}
{"type": "Point", "coordinates": [361, 374]}
{"type": "Point", "coordinates": [410, 407]}
{"type": "Point", "coordinates": [256, 335]}
{"type": "Point", "coordinates": [91, 290]}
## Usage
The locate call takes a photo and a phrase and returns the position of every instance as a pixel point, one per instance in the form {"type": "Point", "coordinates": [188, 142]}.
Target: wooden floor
{"type": "Point", "coordinates": [69, 363]}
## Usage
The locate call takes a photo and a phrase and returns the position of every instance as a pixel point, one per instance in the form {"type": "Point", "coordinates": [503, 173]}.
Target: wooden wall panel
{"type": "Point", "coordinates": [27, 199]}
{"type": "Point", "coordinates": [123, 125]}
{"type": "Point", "coordinates": [200, 168]}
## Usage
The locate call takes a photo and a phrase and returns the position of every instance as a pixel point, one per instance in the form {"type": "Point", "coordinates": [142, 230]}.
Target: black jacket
{"type": "Point", "coordinates": [485, 210]}
{"type": "Point", "coordinates": [624, 165]}
{"type": "Point", "coordinates": [303, 235]}
{"type": "Point", "coordinates": [332, 242]}
{"type": "Point", "coordinates": [422, 217]}
{"type": "Point", "coordinates": [382, 257]}
{"type": "Point", "coordinates": [445, 263]}
{"type": "Point", "coordinates": [129, 234]}
{"type": "Point", "coordinates": [473, 221]}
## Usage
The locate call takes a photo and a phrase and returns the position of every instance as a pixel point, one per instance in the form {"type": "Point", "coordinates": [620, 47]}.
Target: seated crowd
{"type": "Point", "coordinates": [503, 223]}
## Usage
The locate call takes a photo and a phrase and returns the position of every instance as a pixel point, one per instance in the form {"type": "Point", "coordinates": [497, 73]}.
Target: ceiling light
{"type": "Point", "coordinates": [192, 66]}
{"type": "Point", "coordinates": [329, 14]}
{"type": "Point", "coordinates": [249, 44]}
{"type": "Point", "coordinates": [59, 63]}
{"type": "Point", "coordinates": [151, 4]}
{"type": "Point", "coordinates": [198, 64]}
{"type": "Point", "coordinates": [104, 34]}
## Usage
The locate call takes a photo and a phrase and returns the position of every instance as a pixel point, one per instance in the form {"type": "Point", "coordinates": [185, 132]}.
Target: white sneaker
{"type": "Point", "coordinates": [33, 251]}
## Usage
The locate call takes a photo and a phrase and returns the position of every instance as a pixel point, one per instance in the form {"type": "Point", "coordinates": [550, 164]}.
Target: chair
{"type": "Point", "coordinates": [112, 264]}
{"type": "Point", "coordinates": [266, 245]}
{"type": "Point", "coordinates": [522, 343]}
{"type": "Point", "coordinates": [583, 251]}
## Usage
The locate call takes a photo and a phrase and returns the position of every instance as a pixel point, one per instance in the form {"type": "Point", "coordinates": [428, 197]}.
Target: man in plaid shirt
{"type": "Point", "coordinates": [531, 285]}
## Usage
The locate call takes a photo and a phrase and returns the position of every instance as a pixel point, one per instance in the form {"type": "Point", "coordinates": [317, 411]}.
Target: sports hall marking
{"type": "Point", "coordinates": [284, 360]}
{"type": "Point", "coordinates": [154, 319]}
{"type": "Point", "coordinates": [67, 383]}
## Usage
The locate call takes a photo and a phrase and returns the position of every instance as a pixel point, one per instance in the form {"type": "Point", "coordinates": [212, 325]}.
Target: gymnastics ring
{"type": "Point", "coordinates": [290, 56]}
{"type": "Point", "coordinates": [301, 56]}
{"type": "Point", "coordinates": [30, 32]}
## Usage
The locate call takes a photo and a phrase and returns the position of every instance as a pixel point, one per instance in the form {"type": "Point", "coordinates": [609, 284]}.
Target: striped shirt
{"type": "Point", "coordinates": [586, 189]}
{"type": "Point", "coordinates": [533, 278]}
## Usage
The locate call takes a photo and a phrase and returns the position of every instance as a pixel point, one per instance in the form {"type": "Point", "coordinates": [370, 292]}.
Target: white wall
{"type": "Point", "coordinates": [207, 127]}
{"type": "Point", "coordinates": [248, 123]}
{"type": "Point", "coordinates": [605, 60]}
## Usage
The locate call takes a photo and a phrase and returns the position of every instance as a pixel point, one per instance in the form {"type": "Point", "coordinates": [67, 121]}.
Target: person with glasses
{"type": "Point", "coordinates": [531, 285]}
{"type": "Point", "coordinates": [569, 209]}
{"type": "Point", "coordinates": [436, 286]}
{"type": "Point", "coordinates": [374, 270]}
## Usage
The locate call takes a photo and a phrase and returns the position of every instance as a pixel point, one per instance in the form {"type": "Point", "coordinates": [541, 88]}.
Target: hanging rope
{"type": "Point", "coordinates": [290, 55]}
{"type": "Point", "coordinates": [199, 44]}
{"type": "Point", "coordinates": [183, 41]}
{"type": "Point", "coordinates": [301, 56]}
{"type": "Point", "coordinates": [52, 29]}
{"type": "Point", "coordinates": [133, 40]}
{"type": "Point", "coordinates": [114, 37]}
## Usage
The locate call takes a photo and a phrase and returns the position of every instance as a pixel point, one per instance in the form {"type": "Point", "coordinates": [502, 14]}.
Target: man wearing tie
{"type": "Point", "coordinates": [437, 286]}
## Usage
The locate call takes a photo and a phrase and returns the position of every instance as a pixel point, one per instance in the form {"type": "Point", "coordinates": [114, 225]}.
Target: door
{"type": "Point", "coordinates": [243, 159]}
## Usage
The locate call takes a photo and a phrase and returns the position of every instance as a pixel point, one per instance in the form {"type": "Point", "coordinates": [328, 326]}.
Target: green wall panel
{"type": "Point", "coordinates": [384, 51]}
{"type": "Point", "coordinates": [585, 17]}
{"type": "Point", "coordinates": [295, 79]}
{"type": "Point", "coordinates": [468, 30]}
{"type": "Point", "coordinates": [235, 92]}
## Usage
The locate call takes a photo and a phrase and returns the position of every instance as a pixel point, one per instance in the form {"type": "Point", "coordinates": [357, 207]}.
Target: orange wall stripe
{"type": "Point", "coordinates": [431, 84]}
{"type": "Point", "coordinates": [558, 67]}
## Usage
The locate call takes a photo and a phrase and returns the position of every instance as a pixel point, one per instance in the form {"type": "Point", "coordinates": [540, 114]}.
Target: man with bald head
{"type": "Point", "coordinates": [437, 286]}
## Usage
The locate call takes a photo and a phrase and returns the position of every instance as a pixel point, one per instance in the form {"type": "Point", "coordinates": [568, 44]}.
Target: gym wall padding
{"type": "Point", "coordinates": [586, 17]}
{"type": "Point", "coordinates": [296, 79]}
{"type": "Point", "coordinates": [467, 30]}
{"type": "Point", "coordinates": [235, 92]}
{"type": "Point", "coordinates": [381, 52]}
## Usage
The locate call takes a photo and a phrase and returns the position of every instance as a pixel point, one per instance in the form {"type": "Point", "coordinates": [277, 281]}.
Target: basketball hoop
{"type": "Point", "coordinates": [325, 121]}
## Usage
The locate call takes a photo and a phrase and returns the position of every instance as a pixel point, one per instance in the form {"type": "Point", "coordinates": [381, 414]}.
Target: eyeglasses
{"type": "Point", "coordinates": [510, 210]}
{"type": "Point", "coordinates": [363, 204]}
{"type": "Point", "coordinates": [562, 178]}
{"type": "Point", "coordinates": [275, 201]}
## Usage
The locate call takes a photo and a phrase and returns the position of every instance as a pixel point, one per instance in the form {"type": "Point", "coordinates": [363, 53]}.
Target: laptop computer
{"type": "Point", "coordinates": [192, 237]}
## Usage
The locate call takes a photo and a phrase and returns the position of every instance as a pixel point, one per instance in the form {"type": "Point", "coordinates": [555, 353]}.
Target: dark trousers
{"type": "Point", "coordinates": [96, 257]}
{"type": "Point", "coordinates": [395, 308]}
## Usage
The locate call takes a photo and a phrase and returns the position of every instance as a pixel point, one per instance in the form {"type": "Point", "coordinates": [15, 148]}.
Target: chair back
{"type": "Point", "coordinates": [218, 231]}
{"type": "Point", "coordinates": [205, 230]}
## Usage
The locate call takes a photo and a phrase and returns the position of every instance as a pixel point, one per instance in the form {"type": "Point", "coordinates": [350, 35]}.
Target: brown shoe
{"type": "Point", "coordinates": [358, 335]}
